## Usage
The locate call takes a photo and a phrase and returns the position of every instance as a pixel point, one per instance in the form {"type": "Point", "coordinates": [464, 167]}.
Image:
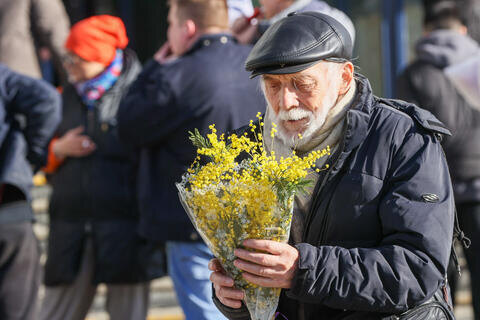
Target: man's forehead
{"type": "Point", "coordinates": [311, 73]}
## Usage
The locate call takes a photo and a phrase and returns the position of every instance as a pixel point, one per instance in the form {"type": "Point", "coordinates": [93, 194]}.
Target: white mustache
{"type": "Point", "coordinates": [294, 114]}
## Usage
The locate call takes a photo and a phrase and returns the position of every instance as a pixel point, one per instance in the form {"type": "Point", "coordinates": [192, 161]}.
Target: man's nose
{"type": "Point", "coordinates": [289, 98]}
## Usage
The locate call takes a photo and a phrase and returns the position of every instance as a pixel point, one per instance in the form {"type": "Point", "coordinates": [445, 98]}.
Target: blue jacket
{"type": "Point", "coordinates": [378, 236]}
{"type": "Point", "coordinates": [29, 115]}
{"type": "Point", "coordinates": [207, 85]}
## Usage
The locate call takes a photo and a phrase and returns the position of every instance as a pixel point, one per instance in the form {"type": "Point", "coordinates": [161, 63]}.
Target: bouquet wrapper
{"type": "Point", "coordinates": [224, 233]}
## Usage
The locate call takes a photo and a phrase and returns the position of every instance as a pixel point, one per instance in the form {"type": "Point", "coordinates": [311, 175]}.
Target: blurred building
{"type": "Point", "coordinates": [386, 33]}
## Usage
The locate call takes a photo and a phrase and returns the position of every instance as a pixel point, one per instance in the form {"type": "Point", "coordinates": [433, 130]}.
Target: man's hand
{"type": "Point", "coordinates": [73, 144]}
{"type": "Point", "coordinates": [223, 286]}
{"type": "Point", "coordinates": [244, 31]}
{"type": "Point", "coordinates": [274, 269]}
{"type": "Point", "coordinates": [164, 54]}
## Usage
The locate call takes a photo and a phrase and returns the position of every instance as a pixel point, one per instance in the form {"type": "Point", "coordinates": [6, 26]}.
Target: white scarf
{"type": "Point", "coordinates": [329, 134]}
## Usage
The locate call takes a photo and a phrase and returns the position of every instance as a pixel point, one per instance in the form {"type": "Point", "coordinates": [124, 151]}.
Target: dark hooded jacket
{"type": "Point", "coordinates": [378, 235]}
{"type": "Point", "coordinates": [425, 84]}
{"type": "Point", "coordinates": [29, 115]}
{"type": "Point", "coordinates": [95, 196]}
{"type": "Point", "coordinates": [207, 85]}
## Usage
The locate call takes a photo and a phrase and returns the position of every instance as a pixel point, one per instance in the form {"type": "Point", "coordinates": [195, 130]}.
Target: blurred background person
{"type": "Point", "coordinates": [248, 29]}
{"type": "Point", "coordinates": [25, 24]}
{"type": "Point", "coordinates": [445, 45]}
{"type": "Point", "coordinates": [93, 208]}
{"type": "Point", "coordinates": [29, 114]}
{"type": "Point", "coordinates": [196, 79]}
{"type": "Point", "coordinates": [239, 8]}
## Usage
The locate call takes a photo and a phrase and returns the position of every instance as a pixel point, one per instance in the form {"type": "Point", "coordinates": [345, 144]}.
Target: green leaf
{"type": "Point", "coordinates": [198, 140]}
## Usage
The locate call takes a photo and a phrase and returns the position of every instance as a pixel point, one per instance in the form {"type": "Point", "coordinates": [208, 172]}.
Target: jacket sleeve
{"type": "Point", "coordinates": [51, 23]}
{"type": "Point", "coordinates": [40, 104]}
{"type": "Point", "coordinates": [409, 263]}
{"type": "Point", "coordinates": [148, 112]}
{"type": "Point", "coordinates": [230, 313]}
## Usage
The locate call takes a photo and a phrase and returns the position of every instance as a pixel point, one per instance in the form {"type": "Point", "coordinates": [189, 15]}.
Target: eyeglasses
{"type": "Point", "coordinates": [71, 58]}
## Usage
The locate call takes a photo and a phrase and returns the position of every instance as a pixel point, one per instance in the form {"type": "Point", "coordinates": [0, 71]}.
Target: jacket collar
{"type": "Point", "coordinates": [207, 40]}
{"type": "Point", "coordinates": [359, 113]}
{"type": "Point", "coordinates": [357, 118]}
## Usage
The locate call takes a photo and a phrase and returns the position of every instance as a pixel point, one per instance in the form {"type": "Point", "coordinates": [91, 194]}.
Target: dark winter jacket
{"type": "Point", "coordinates": [378, 236]}
{"type": "Point", "coordinates": [29, 115]}
{"type": "Point", "coordinates": [207, 85]}
{"type": "Point", "coordinates": [96, 195]}
{"type": "Point", "coordinates": [425, 84]}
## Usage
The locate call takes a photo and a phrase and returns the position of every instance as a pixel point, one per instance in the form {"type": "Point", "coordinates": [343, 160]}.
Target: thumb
{"type": "Point", "coordinates": [76, 131]}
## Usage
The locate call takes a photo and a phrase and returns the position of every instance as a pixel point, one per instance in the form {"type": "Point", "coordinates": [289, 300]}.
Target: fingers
{"type": "Point", "coordinates": [247, 35]}
{"type": "Point", "coordinates": [263, 259]}
{"type": "Point", "coordinates": [214, 265]}
{"type": "Point", "coordinates": [79, 146]}
{"type": "Point", "coordinates": [229, 293]}
{"type": "Point", "coordinates": [76, 131]}
{"type": "Point", "coordinates": [235, 304]}
{"type": "Point", "coordinates": [266, 282]}
{"type": "Point", "coordinates": [256, 269]}
{"type": "Point", "coordinates": [163, 53]}
{"type": "Point", "coordinates": [269, 246]}
{"type": "Point", "coordinates": [220, 279]}
{"type": "Point", "coordinates": [275, 267]}
{"type": "Point", "coordinates": [223, 286]}
{"type": "Point", "coordinates": [239, 24]}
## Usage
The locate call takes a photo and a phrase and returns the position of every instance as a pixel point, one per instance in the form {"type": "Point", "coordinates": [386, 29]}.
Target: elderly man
{"type": "Point", "coordinates": [373, 239]}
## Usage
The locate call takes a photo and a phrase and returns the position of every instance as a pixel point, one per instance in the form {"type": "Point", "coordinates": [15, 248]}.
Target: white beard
{"type": "Point", "coordinates": [315, 121]}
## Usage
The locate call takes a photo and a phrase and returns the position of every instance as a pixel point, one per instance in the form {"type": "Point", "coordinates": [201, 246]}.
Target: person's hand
{"type": "Point", "coordinates": [240, 24]}
{"type": "Point", "coordinates": [274, 267]}
{"type": "Point", "coordinates": [244, 31]}
{"type": "Point", "coordinates": [73, 144]}
{"type": "Point", "coordinates": [164, 54]}
{"type": "Point", "coordinates": [223, 286]}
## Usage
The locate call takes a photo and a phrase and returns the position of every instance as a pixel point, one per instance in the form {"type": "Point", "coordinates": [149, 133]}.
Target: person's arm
{"type": "Point", "coordinates": [149, 112]}
{"type": "Point", "coordinates": [40, 104]}
{"type": "Point", "coordinates": [51, 23]}
{"type": "Point", "coordinates": [410, 262]}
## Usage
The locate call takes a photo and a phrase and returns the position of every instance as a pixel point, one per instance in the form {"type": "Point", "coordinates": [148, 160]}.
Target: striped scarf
{"type": "Point", "coordinates": [92, 90]}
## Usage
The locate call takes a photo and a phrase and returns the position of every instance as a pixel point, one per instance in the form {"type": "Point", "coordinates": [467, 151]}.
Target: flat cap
{"type": "Point", "coordinates": [297, 42]}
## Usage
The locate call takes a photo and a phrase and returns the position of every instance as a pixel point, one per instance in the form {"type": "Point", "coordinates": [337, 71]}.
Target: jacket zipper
{"type": "Point", "coordinates": [90, 131]}
{"type": "Point", "coordinates": [320, 188]}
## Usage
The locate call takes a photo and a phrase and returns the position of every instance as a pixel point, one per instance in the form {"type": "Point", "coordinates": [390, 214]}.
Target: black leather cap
{"type": "Point", "coordinates": [297, 42]}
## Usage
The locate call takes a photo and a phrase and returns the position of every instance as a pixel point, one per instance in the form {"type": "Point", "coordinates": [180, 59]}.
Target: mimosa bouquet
{"type": "Point", "coordinates": [243, 192]}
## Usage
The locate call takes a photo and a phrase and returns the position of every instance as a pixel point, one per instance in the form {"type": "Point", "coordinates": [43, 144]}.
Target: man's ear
{"type": "Point", "coordinates": [190, 28]}
{"type": "Point", "coordinates": [346, 77]}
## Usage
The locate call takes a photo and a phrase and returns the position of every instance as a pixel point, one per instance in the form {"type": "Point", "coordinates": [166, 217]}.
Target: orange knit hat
{"type": "Point", "coordinates": [97, 38]}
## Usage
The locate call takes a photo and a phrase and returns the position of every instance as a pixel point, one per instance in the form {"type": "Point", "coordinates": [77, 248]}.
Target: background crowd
{"type": "Point", "coordinates": [112, 137]}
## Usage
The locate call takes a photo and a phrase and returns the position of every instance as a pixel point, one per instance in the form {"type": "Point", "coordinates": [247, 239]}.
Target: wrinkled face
{"type": "Point", "coordinates": [177, 32]}
{"type": "Point", "coordinates": [300, 101]}
{"type": "Point", "coordinates": [79, 70]}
